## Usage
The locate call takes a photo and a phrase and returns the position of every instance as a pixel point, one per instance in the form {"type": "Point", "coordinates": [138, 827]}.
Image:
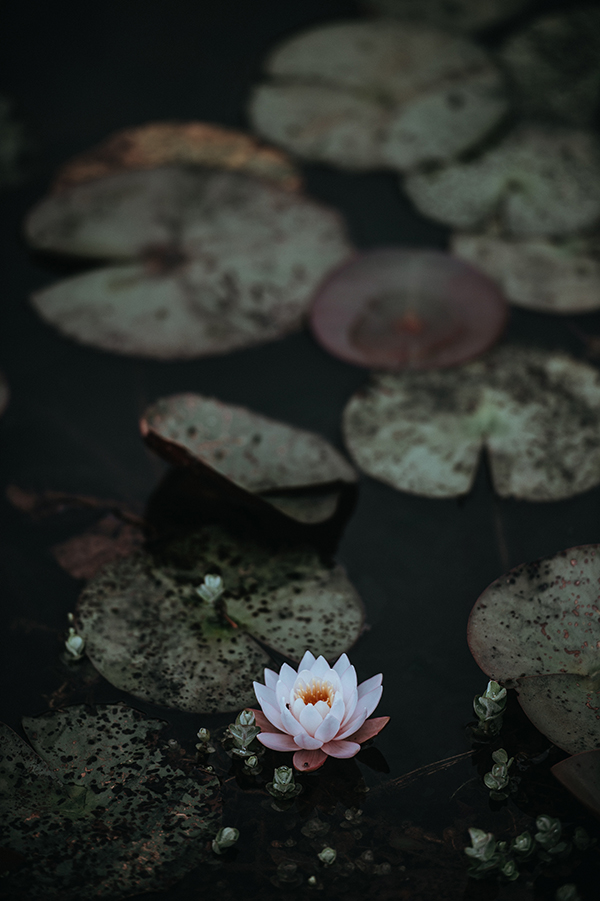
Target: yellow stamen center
{"type": "Point", "coordinates": [316, 690]}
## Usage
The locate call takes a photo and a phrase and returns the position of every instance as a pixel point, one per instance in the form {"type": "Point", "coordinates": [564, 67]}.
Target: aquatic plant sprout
{"type": "Point", "coordinates": [317, 711]}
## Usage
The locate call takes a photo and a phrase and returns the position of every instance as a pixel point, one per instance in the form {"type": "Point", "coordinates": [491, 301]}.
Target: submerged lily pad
{"type": "Point", "coordinates": [551, 276]}
{"type": "Point", "coordinates": [538, 628]}
{"type": "Point", "coordinates": [536, 182]}
{"type": "Point", "coordinates": [149, 632]}
{"type": "Point", "coordinates": [554, 64]}
{"type": "Point", "coordinates": [182, 143]}
{"type": "Point", "coordinates": [209, 261]}
{"type": "Point", "coordinates": [256, 454]}
{"type": "Point", "coordinates": [380, 93]}
{"type": "Point", "coordinates": [581, 776]}
{"type": "Point", "coordinates": [457, 15]}
{"type": "Point", "coordinates": [101, 807]}
{"type": "Point", "coordinates": [395, 308]}
{"type": "Point", "coordinates": [537, 414]}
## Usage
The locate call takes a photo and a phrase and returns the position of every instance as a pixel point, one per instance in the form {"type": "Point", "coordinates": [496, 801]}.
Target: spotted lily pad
{"type": "Point", "coordinates": [256, 454]}
{"type": "Point", "coordinates": [380, 93]}
{"type": "Point", "coordinates": [395, 308]}
{"type": "Point", "coordinates": [458, 15]}
{"type": "Point", "coordinates": [554, 63]}
{"type": "Point", "coordinates": [537, 414]}
{"type": "Point", "coordinates": [551, 276]}
{"type": "Point", "coordinates": [538, 628]}
{"type": "Point", "coordinates": [149, 632]}
{"type": "Point", "coordinates": [537, 182]}
{"type": "Point", "coordinates": [580, 775]}
{"type": "Point", "coordinates": [204, 261]}
{"type": "Point", "coordinates": [182, 143]}
{"type": "Point", "coordinates": [98, 798]}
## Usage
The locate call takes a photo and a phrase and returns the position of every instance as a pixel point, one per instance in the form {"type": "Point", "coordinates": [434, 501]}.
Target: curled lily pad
{"type": "Point", "coordinates": [538, 628]}
{"type": "Point", "coordinates": [536, 182]}
{"type": "Point", "coordinates": [98, 797]}
{"type": "Point", "coordinates": [395, 308]}
{"type": "Point", "coordinates": [580, 775]}
{"type": "Point", "coordinates": [375, 94]}
{"type": "Point", "coordinates": [459, 15]}
{"type": "Point", "coordinates": [551, 276]}
{"type": "Point", "coordinates": [209, 261]}
{"type": "Point", "coordinates": [257, 454]}
{"type": "Point", "coordinates": [148, 630]}
{"type": "Point", "coordinates": [181, 143]}
{"type": "Point", "coordinates": [554, 62]}
{"type": "Point", "coordinates": [537, 414]}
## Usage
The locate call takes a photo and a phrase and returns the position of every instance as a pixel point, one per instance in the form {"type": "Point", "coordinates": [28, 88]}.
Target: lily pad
{"type": "Point", "coordinates": [395, 308]}
{"type": "Point", "coordinates": [554, 63]}
{"type": "Point", "coordinates": [179, 143]}
{"type": "Point", "coordinates": [98, 797]}
{"type": "Point", "coordinates": [537, 182]}
{"type": "Point", "coordinates": [256, 454]}
{"type": "Point", "coordinates": [210, 261]}
{"type": "Point", "coordinates": [538, 628]}
{"type": "Point", "coordinates": [581, 776]}
{"type": "Point", "coordinates": [459, 15]}
{"type": "Point", "coordinates": [149, 632]}
{"type": "Point", "coordinates": [551, 276]}
{"type": "Point", "coordinates": [378, 94]}
{"type": "Point", "coordinates": [537, 415]}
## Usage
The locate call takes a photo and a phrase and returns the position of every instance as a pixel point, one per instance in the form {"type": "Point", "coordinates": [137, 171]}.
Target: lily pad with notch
{"type": "Point", "coordinates": [394, 308]}
{"type": "Point", "coordinates": [535, 413]}
{"type": "Point", "coordinates": [296, 471]}
{"type": "Point", "coordinates": [148, 630]}
{"type": "Point", "coordinates": [202, 261]}
{"type": "Point", "coordinates": [580, 775]}
{"type": "Point", "coordinates": [537, 629]}
{"type": "Point", "coordinates": [95, 797]}
{"type": "Point", "coordinates": [378, 94]}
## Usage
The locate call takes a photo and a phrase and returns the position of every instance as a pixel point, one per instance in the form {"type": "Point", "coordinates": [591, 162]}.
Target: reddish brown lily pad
{"type": "Point", "coordinates": [581, 776]}
{"type": "Point", "coordinates": [551, 276]}
{"type": "Point", "coordinates": [537, 182]}
{"type": "Point", "coordinates": [110, 539]}
{"type": "Point", "coordinates": [210, 261]}
{"type": "Point", "coordinates": [537, 414]}
{"type": "Point", "coordinates": [458, 15]}
{"type": "Point", "coordinates": [378, 94]}
{"type": "Point", "coordinates": [538, 628]}
{"type": "Point", "coordinates": [181, 143]}
{"type": "Point", "coordinates": [256, 454]}
{"type": "Point", "coordinates": [395, 308]}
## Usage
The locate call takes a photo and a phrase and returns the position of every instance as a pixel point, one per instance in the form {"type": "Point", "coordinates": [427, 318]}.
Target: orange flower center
{"type": "Point", "coordinates": [316, 690]}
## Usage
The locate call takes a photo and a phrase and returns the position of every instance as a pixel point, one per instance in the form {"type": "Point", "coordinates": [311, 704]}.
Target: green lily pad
{"type": "Point", "coordinates": [205, 261]}
{"type": "Point", "coordinates": [554, 62]}
{"type": "Point", "coordinates": [148, 631]}
{"type": "Point", "coordinates": [538, 629]}
{"type": "Point", "coordinates": [537, 414]}
{"type": "Point", "coordinates": [98, 798]}
{"type": "Point", "coordinates": [581, 776]}
{"type": "Point", "coordinates": [537, 182]}
{"type": "Point", "coordinates": [378, 94]}
{"type": "Point", "coordinates": [551, 276]}
{"type": "Point", "coordinates": [256, 454]}
{"type": "Point", "coordinates": [459, 15]}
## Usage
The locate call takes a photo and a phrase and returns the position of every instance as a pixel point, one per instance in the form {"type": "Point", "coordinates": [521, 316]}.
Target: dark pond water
{"type": "Point", "coordinates": [78, 72]}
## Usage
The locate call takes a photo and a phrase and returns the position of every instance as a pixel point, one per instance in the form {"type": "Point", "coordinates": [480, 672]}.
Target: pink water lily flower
{"type": "Point", "coordinates": [318, 711]}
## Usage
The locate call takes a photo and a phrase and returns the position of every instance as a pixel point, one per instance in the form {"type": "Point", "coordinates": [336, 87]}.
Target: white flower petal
{"type": "Point", "coordinates": [348, 681]}
{"type": "Point", "coordinates": [310, 718]}
{"type": "Point", "coordinates": [272, 715]}
{"type": "Point", "coordinates": [371, 700]}
{"type": "Point", "coordinates": [350, 705]}
{"type": "Point", "coordinates": [369, 685]}
{"type": "Point", "coordinates": [307, 742]}
{"type": "Point", "coordinates": [276, 741]}
{"type": "Point", "coordinates": [320, 668]}
{"type": "Point", "coordinates": [354, 723]}
{"type": "Point", "coordinates": [290, 723]}
{"type": "Point", "coordinates": [287, 676]}
{"type": "Point", "coordinates": [341, 748]}
{"type": "Point", "coordinates": [271, 679]}
{"type": "Point", "coordinates": [341, 665]}
{"type": "Point", "coordinates": [323, 708]}
{"type": "Point", "coordinates": [306, 662]}
{"type": "Point", "coordinates": [338, 707]}
{"type": "Point", "coordinates": [328, 728]}
{"type": "Point", "coordinates": [265, 695]}
{"type": "Point", "coordinates": [297, 708]}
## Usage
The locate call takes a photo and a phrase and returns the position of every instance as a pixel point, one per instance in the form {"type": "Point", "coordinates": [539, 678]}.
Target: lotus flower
{"type": "Point", "coordinates": [317, 712]}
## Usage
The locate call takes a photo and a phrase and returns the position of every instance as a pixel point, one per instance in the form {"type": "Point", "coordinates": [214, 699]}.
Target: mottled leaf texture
{"type": "Point", "coordinates": [101, 807]}
{"type": "Point", "coordinates": [395, 308]}
{"type": "Point", "coordinates": [149, 632]}
{"type": "Point", "coordinates": [537, 182]}
{"type": "Point", "coordinates": [202, 261]}
{"type": "Point", "coordinates": [538, 628]}
{"type": "Point", "coordinates": [255, 453]}
{"type": "Point", "coordinates": [537, 414]}
{"type": "Point", "coordinates": [581, 776]}
{"type": "Point", "coordinates": [378, 94]}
